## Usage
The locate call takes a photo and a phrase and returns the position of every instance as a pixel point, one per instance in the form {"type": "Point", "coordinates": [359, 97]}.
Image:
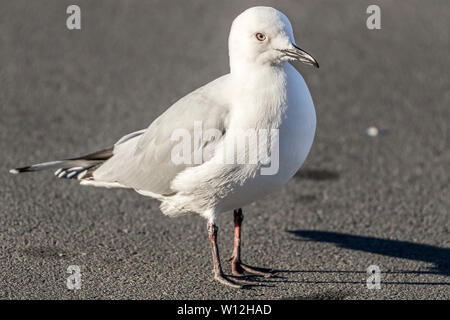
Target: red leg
{"type": "Point", "coordinates": [218, 273]}
{"type": "Point", "coordinates": [237, 267]}
{"type": "Point", "coordinates": [236, 257]}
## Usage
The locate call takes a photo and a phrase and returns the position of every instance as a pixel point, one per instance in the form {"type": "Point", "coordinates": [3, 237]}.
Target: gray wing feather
{"type": "Point", "coordinates": [144, 162]}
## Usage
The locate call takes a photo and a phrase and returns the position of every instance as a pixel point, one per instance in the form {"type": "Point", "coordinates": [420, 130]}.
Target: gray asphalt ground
{"type": "Point", "coordinates": [358, 200]}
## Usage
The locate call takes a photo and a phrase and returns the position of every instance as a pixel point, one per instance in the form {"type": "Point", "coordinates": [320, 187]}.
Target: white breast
{"type": "Point", "coordinates": [290, 110]}
{"type": "Point", "coordinates": [298, 127]}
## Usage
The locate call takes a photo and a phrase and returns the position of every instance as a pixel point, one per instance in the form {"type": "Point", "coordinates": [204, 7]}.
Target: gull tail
{"type": "Point", "coordinates": [75, 168]}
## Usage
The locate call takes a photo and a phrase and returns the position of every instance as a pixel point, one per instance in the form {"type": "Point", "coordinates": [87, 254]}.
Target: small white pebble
{"type": "Point", "coordinates": [372, 131]}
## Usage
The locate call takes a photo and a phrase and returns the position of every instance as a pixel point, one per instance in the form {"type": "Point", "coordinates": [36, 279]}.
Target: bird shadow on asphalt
{"type": "Point", "coordinates": [251, 281]}
{"type": "Point", "coordinates": [317, 174]}
{"type": "Point", "coordinates": [438, 256]}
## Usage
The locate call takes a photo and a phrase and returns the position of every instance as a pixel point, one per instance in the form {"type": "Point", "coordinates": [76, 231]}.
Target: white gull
{"type": "Point", "coordinates": [263, 92]}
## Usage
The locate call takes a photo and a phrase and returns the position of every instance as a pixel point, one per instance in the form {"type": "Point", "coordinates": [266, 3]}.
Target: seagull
{"type": "Point", "coordinates": [262, 92]}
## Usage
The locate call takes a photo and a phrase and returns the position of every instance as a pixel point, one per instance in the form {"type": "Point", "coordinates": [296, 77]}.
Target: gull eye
{"type": "Point", "coordinates": [260, 36]}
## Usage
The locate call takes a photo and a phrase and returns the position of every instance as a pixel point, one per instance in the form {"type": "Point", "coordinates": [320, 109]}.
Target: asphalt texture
{"type": "Point", "coordinates": [357, 201]}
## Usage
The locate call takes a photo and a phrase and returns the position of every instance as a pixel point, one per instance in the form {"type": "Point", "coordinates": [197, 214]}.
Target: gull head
{"type": "Point", "coordinates": [263, 36]}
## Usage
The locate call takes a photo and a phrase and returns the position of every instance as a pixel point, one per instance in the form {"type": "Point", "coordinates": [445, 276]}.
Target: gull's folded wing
{"type": "Point", "coordinates": [145, 162]}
